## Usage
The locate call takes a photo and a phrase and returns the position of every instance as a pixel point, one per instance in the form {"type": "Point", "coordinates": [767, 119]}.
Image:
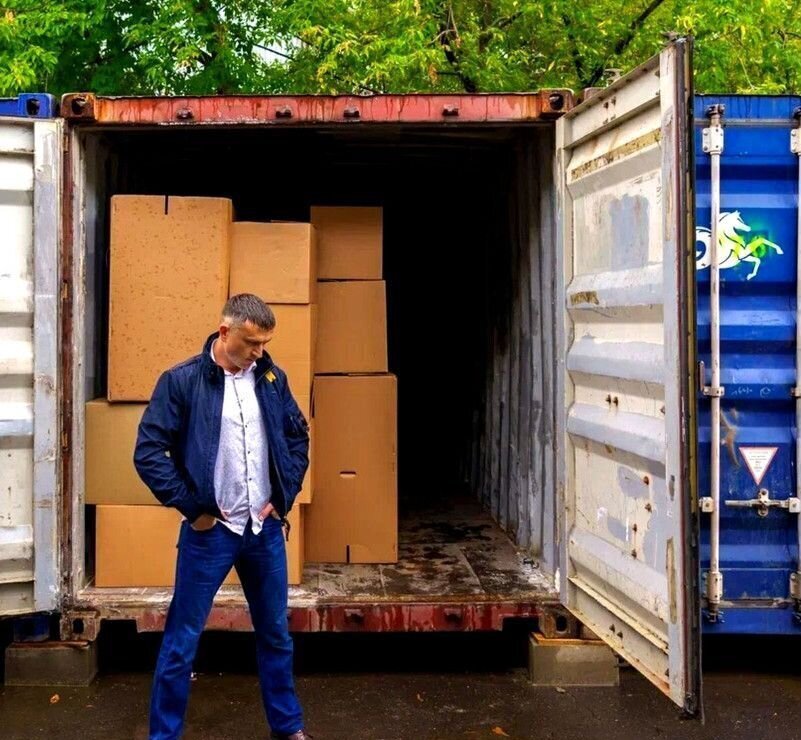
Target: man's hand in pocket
{"type": "Point", "coordinates": [268, 510]}
{"type": "Point", "coordinates": [203, 523]}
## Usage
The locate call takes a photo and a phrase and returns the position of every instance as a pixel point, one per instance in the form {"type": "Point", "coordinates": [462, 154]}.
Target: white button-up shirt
{"type": "Point", "coordinates": [241, 471]}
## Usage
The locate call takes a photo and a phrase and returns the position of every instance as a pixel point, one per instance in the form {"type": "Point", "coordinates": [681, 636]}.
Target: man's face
{"type": "Point", "coordinates": [245, 343]}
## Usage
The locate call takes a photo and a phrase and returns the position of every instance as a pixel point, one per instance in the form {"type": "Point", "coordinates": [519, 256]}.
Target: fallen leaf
{"type": "Point", "coordinates": [55, 699]}
{"type": "Point", "coordinates": [499, 731]}
{"type": "Point", "coordinates": [560, 690]}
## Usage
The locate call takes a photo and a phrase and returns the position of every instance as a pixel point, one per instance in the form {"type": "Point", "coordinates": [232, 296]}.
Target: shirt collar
{"type": "Point", "coordinates": [239, 374]}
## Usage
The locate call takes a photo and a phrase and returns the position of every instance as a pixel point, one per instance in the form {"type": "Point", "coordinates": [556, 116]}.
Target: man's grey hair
{"type": "Point", "coordinates": [248, 307]}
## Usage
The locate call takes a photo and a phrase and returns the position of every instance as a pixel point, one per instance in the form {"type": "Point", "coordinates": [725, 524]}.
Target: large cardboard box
{"type": "Point", "coordinates": [296, 545]}
{"type": "Point", "coordinates": [293, 345]}
{"type": "Point", "coordinates": [110, 440]}
{"type": "Point", "coordinates": [349, 243]}
{"type": "Point", "coordinates": [276, 261]}
{"type": "Point", "coordinates": [152, 532]}
{"type": "Point", "coordinates": [352, 327]}
{"type": "Point", "coordinates": [111, 477]}
{"type": "Point", "coordinates": [354, 515]}
{"type": "Point", "coordinates": [169, 281]}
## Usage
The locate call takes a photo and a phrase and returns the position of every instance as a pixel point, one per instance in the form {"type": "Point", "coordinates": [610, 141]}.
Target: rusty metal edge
{"type": "Point", "coordinates": [291, 110]}
{"type": "Point", "coordinates": [65, 373]}
{"type": "Point", "coordinates": [367, 618]}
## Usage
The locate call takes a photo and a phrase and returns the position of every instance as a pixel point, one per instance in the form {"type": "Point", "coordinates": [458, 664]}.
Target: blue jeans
{"type": "Point", "coordinates": [204, 560]}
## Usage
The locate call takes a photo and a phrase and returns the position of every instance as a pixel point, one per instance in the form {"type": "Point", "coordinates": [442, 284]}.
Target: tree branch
{"type": "Point", "coordinates": [448, 30]}
{"type": "Point", "coordinates": [578, 63]}
{"type": "Point", "coordinates": [623, 43]}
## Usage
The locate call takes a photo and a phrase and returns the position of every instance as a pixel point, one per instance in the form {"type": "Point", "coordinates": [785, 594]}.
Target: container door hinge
{"type": "Point", "coordinates": [707, 504]}
{"type": "Point", "coordinates": [713, 589]}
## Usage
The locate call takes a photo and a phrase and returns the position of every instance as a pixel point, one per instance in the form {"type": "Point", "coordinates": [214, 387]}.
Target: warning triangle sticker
{"type": "Point", "coordinates": [758, 460]}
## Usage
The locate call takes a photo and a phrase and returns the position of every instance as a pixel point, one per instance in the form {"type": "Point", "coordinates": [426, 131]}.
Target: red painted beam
{"type": "Point", "coordinates": [373, 618]}
{"type": "Point", "coordinates": [543, 105]}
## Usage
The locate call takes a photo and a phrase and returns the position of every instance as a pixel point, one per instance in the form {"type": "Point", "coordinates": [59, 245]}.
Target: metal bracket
{"type": "Point", "coordinates": [763, 503]}
{"type": "Point", "coordinates": [713, 588]}
{"type": "Point", "coordinates": [795, 585]}
{"type": "Point", "coordinates": [707, 504]}
{"type": "Point", "coordinates": [712, 139]}
{"type": "Point", "coordinates": [708, 390]}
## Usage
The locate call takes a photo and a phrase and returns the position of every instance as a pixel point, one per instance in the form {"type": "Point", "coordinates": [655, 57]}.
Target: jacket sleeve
{"type": "Point", "coordinates": [156, 442]}
{"type": "Point", "coordinates": [296, 432]}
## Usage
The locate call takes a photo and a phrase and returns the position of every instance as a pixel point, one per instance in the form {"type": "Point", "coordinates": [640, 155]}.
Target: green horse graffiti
{"type": "Point", "coordinates": [732, 248]}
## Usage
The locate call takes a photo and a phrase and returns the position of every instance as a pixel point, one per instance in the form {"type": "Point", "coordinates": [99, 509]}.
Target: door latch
{"type": "Point", "coordinates": [763, 503]}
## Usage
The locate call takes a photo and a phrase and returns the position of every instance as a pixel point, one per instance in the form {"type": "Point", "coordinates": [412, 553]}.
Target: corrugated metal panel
{"type": "Point", "coordinates": [625, 380]}
{"type": "Point", "coordinates": [28, 278]}
{"type": "Point", "coordinates": [759, 199]}
{"type": "Point", "coordinates": [16, 369]}
{"type": "Point", "coordinates": [511, 457]}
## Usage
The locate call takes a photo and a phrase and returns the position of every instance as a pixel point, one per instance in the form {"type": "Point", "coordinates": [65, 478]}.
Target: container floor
{"type": "Point", "coordinates": [454, 552]}
{"type": "Point", "coordinates": [449, 552]}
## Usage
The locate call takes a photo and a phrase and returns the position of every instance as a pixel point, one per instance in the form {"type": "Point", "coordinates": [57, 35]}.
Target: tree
{"type": "Point", "coordinates": [227, 46]}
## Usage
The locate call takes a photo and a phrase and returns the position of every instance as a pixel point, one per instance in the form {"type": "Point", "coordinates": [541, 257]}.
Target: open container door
{"type": "Point", "coordinates": [30, 177]}
{"type": "Point", "coordinates": [626, 405]}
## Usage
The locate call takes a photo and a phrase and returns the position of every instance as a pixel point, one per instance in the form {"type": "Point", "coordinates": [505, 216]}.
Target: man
{"type": "Point", "coordinates": [224, 442]}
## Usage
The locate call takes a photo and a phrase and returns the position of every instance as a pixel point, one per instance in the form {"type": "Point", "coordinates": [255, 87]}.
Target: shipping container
{"type": "Point", "coordinates": [758, 184]}
{"type": "Point", "coordinates": [540, 268]}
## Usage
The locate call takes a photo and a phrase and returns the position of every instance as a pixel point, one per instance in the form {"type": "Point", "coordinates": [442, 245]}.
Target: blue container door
{"type": "Point", "coordinates": [757, 253]}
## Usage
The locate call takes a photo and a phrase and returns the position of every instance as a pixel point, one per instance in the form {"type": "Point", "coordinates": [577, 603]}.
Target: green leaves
{"type": "Point", "coordinates": [358, 46]}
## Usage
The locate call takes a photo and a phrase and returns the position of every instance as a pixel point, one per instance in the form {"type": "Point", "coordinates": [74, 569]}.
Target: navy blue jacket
{"type": "Point", "coordinates": [179, 435]}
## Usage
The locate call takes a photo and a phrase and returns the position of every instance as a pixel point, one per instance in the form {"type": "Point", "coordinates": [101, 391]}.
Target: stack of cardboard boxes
{"type": "Point", "coordinates": [170, 263]}
{"type": "Point", "coordinates": [353, 518]}
{"type": "Point", "coordinates": [174, 261]}
{"type": "Point", "coordinates": [278, 262]}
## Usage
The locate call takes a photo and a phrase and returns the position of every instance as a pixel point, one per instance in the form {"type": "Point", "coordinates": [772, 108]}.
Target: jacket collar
{"type": "Point", "coordinates": [215, 372]}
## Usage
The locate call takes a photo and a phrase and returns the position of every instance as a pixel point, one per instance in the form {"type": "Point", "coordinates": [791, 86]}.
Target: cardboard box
{"type": "Point", "coordinates": [109, 443]}
{"type": "Point", "coordinates": [276, 261]}
{"type": "Point", "coordinates": [305, 404]}
{"type": "Point", "coordinates": [307, 492]}
{"type": "Point", "coordinates": [350, 243]}
{"type": "Point", "coordinates": [352, 327]}
{"type": "Point", "coordinates": [354, 516]}
{"type": "Point", "coordinates": [152, 531]}
{"type": "Point", "coordinates": [296, 545]}
{"type": "Point", "coordinates": [293, 345]}
{"type": "Point", "coordinates": [169, 273]}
